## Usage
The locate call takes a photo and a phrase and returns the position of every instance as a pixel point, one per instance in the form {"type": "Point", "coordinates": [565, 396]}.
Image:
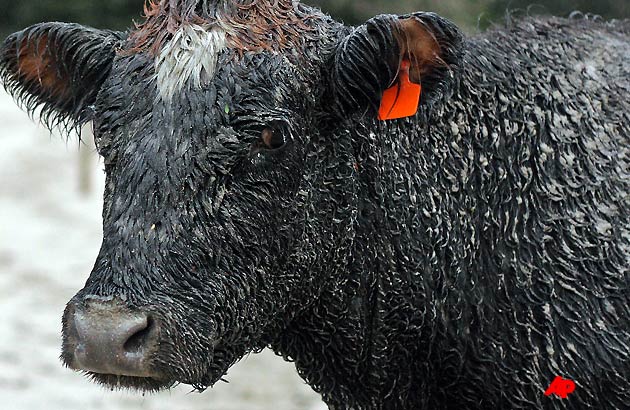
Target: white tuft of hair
{"type": "Point", "coordinates": [190, 57]}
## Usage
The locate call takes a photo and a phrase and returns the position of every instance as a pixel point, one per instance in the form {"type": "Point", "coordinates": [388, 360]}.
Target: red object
{"type": "Point", "coordinates": [402, 99]}
{"type": "Point", "coordinates": [561, 387]}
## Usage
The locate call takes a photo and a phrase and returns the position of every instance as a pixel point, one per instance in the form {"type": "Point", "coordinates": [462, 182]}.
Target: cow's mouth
{"type": "Point", "coordinates": [118, 382]}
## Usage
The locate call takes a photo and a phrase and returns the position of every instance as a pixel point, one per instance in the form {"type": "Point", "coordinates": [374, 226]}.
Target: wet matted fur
{"type": "Point", "coordinates": [459, 259]}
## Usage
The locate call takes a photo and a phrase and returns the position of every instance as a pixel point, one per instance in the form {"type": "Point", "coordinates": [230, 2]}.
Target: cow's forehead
{"type": "Point", "coordinates": [186, 38]}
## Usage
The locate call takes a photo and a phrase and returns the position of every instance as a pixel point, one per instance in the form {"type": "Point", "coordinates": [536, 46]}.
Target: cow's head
{"type": "Point", "coordinates": [226, 129]}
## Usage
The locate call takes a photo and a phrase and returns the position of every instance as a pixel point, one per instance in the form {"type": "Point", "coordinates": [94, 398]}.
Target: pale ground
{"type": "Point", "coordinates": [49, 238]}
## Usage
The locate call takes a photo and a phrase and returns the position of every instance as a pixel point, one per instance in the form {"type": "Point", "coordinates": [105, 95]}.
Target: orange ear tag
{"type": "Point", "coordinates": [402, 99]}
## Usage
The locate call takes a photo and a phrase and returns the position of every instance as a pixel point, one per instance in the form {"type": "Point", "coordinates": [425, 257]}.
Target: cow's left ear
{"type": "Point", "coordinates": [58, 66]}
{"type": "Point", "coordinates": [372, 59]}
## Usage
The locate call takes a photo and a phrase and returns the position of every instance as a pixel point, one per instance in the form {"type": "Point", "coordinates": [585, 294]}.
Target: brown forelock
{"type": "Point", "coordinates": [420, 46]}
{"type": "Point", "coordinates": [253, 25]}
{"type": "Point", "coordinates": [37, 67]}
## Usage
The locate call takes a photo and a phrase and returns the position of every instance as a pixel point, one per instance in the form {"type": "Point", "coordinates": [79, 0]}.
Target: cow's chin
{"type": "Point", "coordinates": [141, 384]}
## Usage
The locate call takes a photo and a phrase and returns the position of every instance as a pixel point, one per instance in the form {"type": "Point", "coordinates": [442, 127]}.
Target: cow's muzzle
{"type": "Point", "coordinates": [103, 336]}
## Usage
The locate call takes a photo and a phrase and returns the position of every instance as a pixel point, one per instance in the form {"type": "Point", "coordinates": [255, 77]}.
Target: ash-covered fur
{"type": "Point", "coordinates": [190, 56]}
{"type": "Point", "coordinates": [459, 259]}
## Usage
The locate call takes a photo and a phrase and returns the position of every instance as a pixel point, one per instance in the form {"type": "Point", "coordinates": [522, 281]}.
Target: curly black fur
{"type": "Point", "coordinates": [458, 259]}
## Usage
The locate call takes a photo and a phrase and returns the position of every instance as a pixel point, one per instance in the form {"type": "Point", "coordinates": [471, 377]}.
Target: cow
{"type": "Point", "coordinates": [419, 219]}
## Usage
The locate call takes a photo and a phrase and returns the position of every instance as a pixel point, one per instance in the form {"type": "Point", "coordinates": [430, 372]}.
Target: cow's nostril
{"type": "Point", "coordinates": [140, 339]}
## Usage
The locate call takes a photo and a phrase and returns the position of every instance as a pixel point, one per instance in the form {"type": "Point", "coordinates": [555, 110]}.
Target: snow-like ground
{"type": "Point", "coordinates": [49, 238]}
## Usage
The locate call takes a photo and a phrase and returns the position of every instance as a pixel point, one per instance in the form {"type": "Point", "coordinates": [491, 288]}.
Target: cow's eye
{"type": "Point", "coordinates": [272, 139]}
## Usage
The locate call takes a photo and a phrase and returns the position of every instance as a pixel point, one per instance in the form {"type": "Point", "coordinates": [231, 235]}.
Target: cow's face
{"type": "Point", "coordinates": [202, 205]}
{"type": "Point", "coordinates": [230, 181]}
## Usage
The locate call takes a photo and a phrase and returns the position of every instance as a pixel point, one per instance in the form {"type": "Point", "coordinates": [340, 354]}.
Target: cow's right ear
{"type": "Point", "coordinates": [58, 66]}
{"type": "Point", "coordinates": [388, 50]}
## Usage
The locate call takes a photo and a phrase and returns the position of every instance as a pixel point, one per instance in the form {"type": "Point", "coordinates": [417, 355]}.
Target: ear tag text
{"type": "Point", "coordinates": [402, 99]}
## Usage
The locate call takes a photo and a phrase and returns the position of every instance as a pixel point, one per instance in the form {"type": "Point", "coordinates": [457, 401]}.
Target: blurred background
{"type": "Point", "coordinates": [469, 14]}
{"type": "Point", "coordinates": [50, 225]}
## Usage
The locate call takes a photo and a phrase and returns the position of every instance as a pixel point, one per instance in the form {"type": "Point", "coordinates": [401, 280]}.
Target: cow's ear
{"type": "Point", "coordinates": [57, 66]}
{"type": "Point", "coordinates": [371, 60]}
